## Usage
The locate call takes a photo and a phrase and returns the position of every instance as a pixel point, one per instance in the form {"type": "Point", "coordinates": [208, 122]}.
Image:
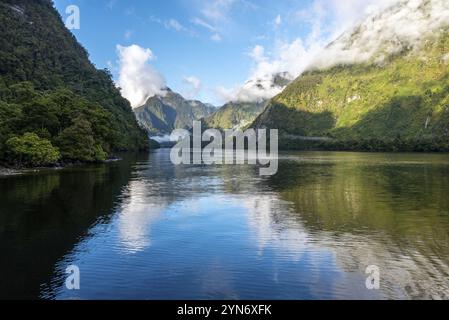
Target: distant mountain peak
{"type": "Point", "coordinates": [161, 114]}
{"type": "Point", "coordinates": [263, 88]}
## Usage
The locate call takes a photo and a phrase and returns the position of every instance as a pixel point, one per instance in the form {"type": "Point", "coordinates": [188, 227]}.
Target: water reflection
{"type": "Point", "coordinates": [145, 229]}
{"type": "Point", "coordinates": [136, 216]}
{"type": "Point", "coordinates": [44, 214]}
{"type": "Point", "coordinates": [388, 210]}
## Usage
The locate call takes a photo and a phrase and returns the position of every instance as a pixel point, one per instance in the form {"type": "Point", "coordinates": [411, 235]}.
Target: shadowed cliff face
{"type": "Point", "coordinates": [163, 114]}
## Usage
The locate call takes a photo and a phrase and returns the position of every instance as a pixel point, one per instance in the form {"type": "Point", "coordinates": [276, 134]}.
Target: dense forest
{"type": "Point", "coordinates": [55, 106]}
{"type": "Point", "coordinates": [398, 100]}
{"type": "Point", "coordinates": [235, 115]}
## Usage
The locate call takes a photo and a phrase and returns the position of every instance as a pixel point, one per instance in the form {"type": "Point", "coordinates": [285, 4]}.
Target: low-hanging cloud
{"type": "Point", "coordinates": [403, 26]}
{"type": "Point", "coordinates": [138, 80]}
{"type": "Point", "coordinates": [374, 26]}
{"type": "Point", "coordinates": [287, 61]}
{"type": "Point", "coordinates": [194, 87]}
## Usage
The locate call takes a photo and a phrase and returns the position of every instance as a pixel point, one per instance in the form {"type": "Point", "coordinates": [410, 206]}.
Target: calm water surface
{"type": "Point", "coordinates": [145, 229]}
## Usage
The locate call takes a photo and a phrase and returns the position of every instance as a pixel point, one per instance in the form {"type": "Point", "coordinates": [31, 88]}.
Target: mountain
{"type": "Point", "coordinates": [235, 115]}
{"type": "Point", "coordinates": [54, 104]}
{"type": "Point", "coordinates": [383, 85]}
{"type": "Point", "coordinates": [163, 114]}
{"type": "Point", "coordinates": [248, 105]}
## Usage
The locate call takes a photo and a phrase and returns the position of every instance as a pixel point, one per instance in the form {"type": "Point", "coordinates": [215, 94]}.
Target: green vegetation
{"type": "Point", "coordinates": [240, 114]}
{"type": "Point", "coordinates": [29, 149]}
{"type": "Point", "coordinates": [402, 104]}
{"type": "Point", "coordinates": [162, 115]}
{"type": "Point", "coordinates": [51, 96]}
{"type": "Point", "coordinates": [77, 142]}
{"type": "Point", "coordinates": [235, 115]}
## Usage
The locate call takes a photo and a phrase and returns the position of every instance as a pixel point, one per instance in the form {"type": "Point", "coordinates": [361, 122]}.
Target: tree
{"type": "Point", "coordinates": [30, 150]}
{"type": "Point", "coordinates": [77, 142]}
{"type": "Point", "coordinates": [47, 82]}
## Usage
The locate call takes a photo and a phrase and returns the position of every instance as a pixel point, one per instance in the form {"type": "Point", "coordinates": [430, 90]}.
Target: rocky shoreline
{"type": "Point", "coordinates": [5, 171]}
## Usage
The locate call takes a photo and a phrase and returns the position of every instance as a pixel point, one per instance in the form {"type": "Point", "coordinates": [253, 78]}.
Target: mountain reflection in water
{"type": "Point", "coordinates": [145, 229]}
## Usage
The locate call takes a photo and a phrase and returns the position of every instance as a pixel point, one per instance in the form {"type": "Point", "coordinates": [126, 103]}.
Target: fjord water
{"type": "Point", "coordinates": [143, 228]}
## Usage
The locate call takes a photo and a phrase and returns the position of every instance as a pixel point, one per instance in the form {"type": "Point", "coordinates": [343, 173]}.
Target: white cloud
{"type": "Point", "coordinates": [137, 79]}
{"type": "Point", "coordinates": [288, 60]}
{"type": "Point", "coordinates": [194, 87]}
{"type": "Point", "coordinates": [330, 18]}
{"type": "Point", "coordinates": [217, 10]}
{"type": "Point", "coordinates": [128, 34]}
{"type": "Point", "coordinates": [136, 218]}
{"type": "Point", "coordinates": [130, 11]}
{"type": "Point", "coordinates": [216, 15]}
{"type": "Point", "coordinates": [390, 30]}
{"type": "Point", "coordinates": [110, 4]}
{"type": "Point", "coordinates": [155, 19]}
{"type": "Point", "coordinates": [204, 24]}
{"type": "Point", "coordinates": [402, 26]}
{"type": "Point", "coordinates": [216, 37]}
{"type": "Point", "coordinates": [258, 53]}
{"type": "Point", "coordinates": [224, 94]}
{"type": "Point", "coordinates": [174, 25]}
{"type": "Point", "coordinates": [278, 20]}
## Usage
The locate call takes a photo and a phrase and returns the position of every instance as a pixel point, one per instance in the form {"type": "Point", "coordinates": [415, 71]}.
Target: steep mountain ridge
{"type": "Point", "coordinates": [241, 111]}
{"type": "Point", "coordinates": [163, 114]}
{"type": "Point", "coordinates": [382, 85]}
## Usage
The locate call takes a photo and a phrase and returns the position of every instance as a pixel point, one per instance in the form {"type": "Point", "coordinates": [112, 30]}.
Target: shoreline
{"type": "Point", "coordinates": [8, 171]}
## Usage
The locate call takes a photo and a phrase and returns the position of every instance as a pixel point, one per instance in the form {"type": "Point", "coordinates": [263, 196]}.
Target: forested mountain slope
{"type": "Point", "coordinates": [382, 86]}
{"type": "Point", "coordinates": [54, 104]}
{"type": "Point", "coordinates": [235, 115]}
{"type": "Point", "coordinates": [241, 112]}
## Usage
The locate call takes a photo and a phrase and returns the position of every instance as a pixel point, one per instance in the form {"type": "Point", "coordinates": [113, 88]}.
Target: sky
{"type": "Point", "coordinates": [208, 49]}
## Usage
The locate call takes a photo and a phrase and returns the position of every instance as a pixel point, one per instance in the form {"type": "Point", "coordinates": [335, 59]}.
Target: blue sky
{"type": "Point", "coordinates": [205, 49]}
